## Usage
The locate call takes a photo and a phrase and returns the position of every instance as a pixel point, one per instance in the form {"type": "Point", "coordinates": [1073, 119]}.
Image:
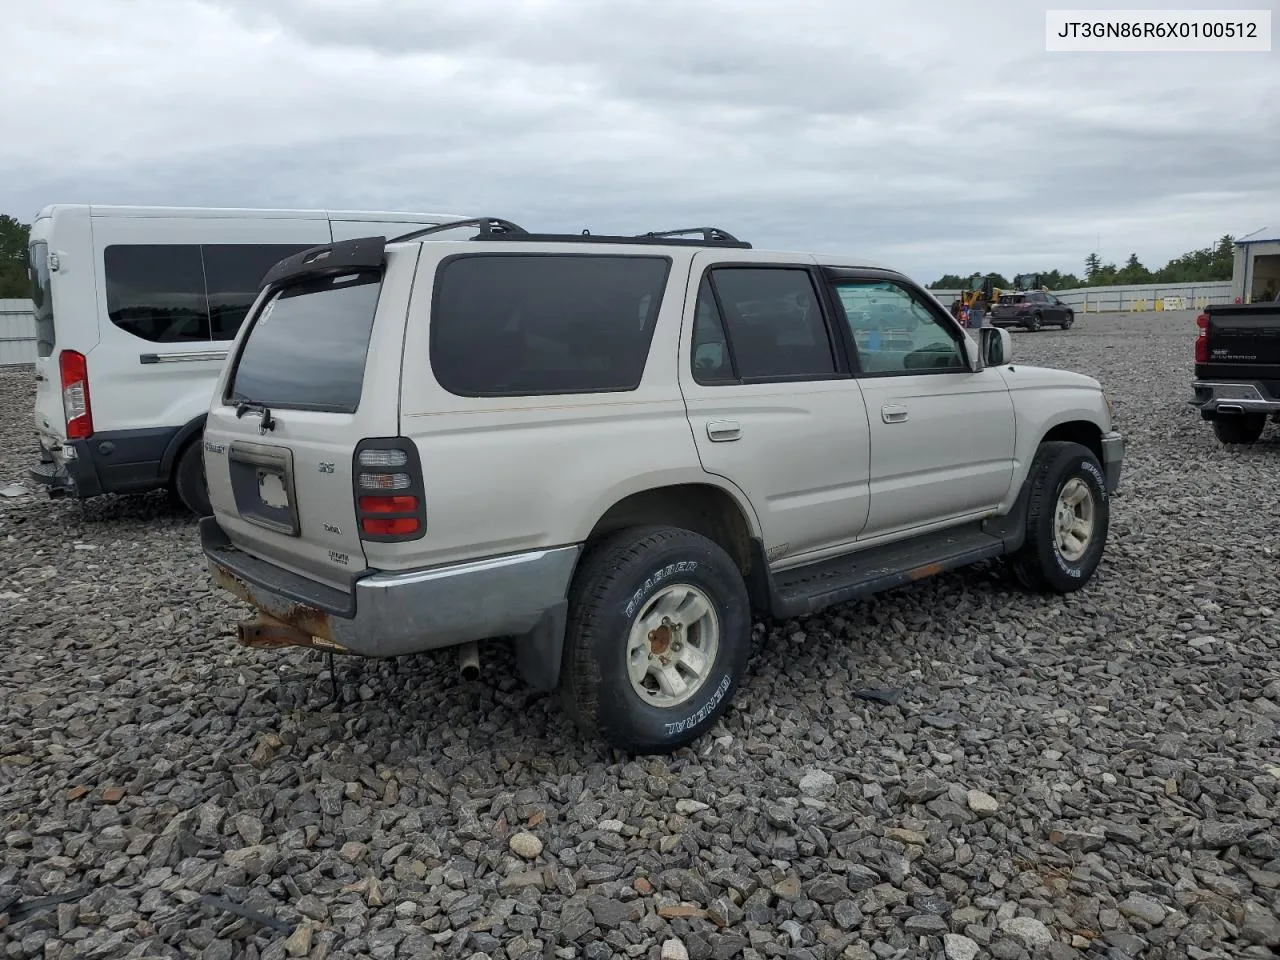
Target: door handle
{"type": "Point", "coordinates": [721, 430]}
{"type": "Point", "coordinates": [893, 413]}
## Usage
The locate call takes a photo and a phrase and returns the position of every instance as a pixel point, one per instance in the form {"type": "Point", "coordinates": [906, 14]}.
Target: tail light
{"type": "Point", "coordinates": [74, 370]}
{"type": "Point", "coordinates": [1202, 339]}
{"type": "Point", "coordinates": [389, 493]}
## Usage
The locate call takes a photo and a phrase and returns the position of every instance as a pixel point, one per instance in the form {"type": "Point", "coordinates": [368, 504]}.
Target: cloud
{"type": "Point", "coordinates": [936, 136]}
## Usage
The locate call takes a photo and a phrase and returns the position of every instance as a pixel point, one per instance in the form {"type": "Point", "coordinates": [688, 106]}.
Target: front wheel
{"type": "Point", "coordinates": [1239, 428]}
{"type": "Point", "coordinates": [658, 637]}
{"type": "Point", "coordinates": [1068, 514]}
{"type": "Point", "coordinates": [1070, 319]}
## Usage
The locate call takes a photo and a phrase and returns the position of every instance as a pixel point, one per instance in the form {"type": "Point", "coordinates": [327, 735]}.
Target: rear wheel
{"type": "Point", "coordinates": [189, 481]}
{"type": "Point", "coordinates": [658, 638]}
{"type": "Point", "coordinates": [1239, 428]}
{"type": "Point", "coordinates": [1036, 323]}
{"type": "Point", "coordinates": [1068, 514]}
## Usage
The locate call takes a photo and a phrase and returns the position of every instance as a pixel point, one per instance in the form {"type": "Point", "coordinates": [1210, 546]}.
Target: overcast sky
{"type": "Point", "coordinates": [938, 136]}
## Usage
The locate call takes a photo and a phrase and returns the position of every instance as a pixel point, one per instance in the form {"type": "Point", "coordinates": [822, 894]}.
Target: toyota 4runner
{"type": "Point", "coordinates": [615, 452]}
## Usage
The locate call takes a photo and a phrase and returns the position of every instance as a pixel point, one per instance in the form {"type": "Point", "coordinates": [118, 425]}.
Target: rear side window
{"type": "Point", "coordinates": [529, 324]}
{"type": "Point", "coordinates": [41, 297]}
{"type": "Point", "coordinates": [307, 347]}
{"type": "Point", "coordinates": [775, 326]}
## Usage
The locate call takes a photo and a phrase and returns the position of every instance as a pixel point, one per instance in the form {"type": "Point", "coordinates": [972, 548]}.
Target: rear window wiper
{"type": "Point", "coordinates": [248, 406]}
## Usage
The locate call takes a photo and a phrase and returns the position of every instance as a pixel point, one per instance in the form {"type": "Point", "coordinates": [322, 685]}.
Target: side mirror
{"type": "Point", "coordinates": [996, 345]}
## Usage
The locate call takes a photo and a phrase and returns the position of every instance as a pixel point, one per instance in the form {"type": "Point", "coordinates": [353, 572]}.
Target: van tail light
{"type": "Point", "coordinates": [74, 371]}
{"type": "Point", "coordinates": [389, 494]}
{"type": "Point", "coordinates": [1202, 338]}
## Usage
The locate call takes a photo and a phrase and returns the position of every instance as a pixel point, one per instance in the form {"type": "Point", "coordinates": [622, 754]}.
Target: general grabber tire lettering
{"type": "Point", "coordinates": [659, 633]}
{"type": "Point", "coordinates": [1068, 515]}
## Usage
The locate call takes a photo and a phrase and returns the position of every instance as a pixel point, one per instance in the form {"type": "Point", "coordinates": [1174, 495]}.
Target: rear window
{"type": "Point", "coordinates": [1013, 298]}
{"type": "Point", "coordinates": [307, 347]}
{"type": "Point", "coordinates": [41, 297]}
{"type": "Point", "coordinates": [531, 324]}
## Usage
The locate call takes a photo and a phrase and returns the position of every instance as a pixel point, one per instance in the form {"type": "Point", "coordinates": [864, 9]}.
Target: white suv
{"type": "Point", "coordinates": [615, 451]}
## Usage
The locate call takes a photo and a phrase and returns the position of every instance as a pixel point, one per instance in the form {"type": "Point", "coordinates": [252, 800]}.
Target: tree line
{"type": "Point", "coordinates": [1196, 266]}
{"type": "Point", "coordinates": [13, 259]}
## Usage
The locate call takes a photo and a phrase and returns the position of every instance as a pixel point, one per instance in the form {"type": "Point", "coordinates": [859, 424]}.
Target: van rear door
{"type": "Point", "coordinates": [312, 385]}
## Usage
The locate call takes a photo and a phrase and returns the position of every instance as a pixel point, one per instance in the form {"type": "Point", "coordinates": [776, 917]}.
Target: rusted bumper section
{"type": "Point", "coordinates": [386, 614]}
{"type": "Point", "coordinates": [298, 625]}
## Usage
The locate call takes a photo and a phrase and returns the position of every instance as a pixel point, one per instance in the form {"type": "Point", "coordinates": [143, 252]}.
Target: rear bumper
{"type": "Point", "coordinates": [69, 472]}
{"type": "Point", "coordinates": [117, 461]}
{"type": "Point", "coordinates": [1112, 459]}
{"type": "Point", "coordinates": [1214, 397]}
{"type": "Point", "coordinates": [391, 614]}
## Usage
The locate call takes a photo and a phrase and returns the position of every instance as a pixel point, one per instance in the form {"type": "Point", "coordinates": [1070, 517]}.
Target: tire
{"type": "Point", "coordinates": [616, 589]}
{"type": "Point", "coordinates": [1062, 469]}
{"type": "Point", "coordinates": [188, 479]}
{"type": "Point", "coordinates": [1070, 319]}
{"type": "Point", "coordinates": [1036, 323]}
{"type": "Point", "coordinates": [1239, 428]}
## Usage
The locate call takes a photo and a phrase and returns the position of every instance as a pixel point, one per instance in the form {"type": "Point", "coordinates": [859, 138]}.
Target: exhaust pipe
{"type": "Point", "coordinates": [469, 661]}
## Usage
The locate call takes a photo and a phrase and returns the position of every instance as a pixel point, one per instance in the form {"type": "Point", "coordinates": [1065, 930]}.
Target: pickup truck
{"type": "Point", "coordinates": [1237, 368]}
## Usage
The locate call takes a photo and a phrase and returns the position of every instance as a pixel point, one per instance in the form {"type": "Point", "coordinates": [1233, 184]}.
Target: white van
{"type": "Point", "coordinates": [135, 308]}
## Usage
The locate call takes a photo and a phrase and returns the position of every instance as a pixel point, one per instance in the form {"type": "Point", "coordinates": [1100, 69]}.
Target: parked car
{"type": "Point", "coordinates": [1237, 369]}
{"type": "Point", "coordinates": [616, 451]}
{"type": "Point", "coordinates": [1031, 310]}
{"type": "Point", "coordinates": [134, 310]}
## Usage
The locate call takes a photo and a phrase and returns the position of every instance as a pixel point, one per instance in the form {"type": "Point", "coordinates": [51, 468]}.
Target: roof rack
{"type": "Point", "coordinates": [709, 234]}
{"type": "Point", "coordinates": [495, 228]}
{"type": "Point", "coordinates": [489, 226]}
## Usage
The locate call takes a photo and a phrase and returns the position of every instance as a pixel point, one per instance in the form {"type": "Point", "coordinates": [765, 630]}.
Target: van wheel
{"type": "Point", "coordinates": [658, 637]}
{"type": "Point", "coordinates": [1068, 514]}
{"type": "Point", "coordinates": [188, 479]}
{"type": "Point", "coordinates": [1239, 427]}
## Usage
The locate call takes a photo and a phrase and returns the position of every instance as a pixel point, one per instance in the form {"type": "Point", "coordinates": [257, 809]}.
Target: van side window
{"type": "Point", "coordinates": [156, 291]}
{"type": "Point", "coordinates": [184, 292]}
{"type": "Point", "coordinates": [233, 273]}
{"type": "Point", "coordinates": [537, 324]}
{"type": "Point", "coordinates": [774, 322]}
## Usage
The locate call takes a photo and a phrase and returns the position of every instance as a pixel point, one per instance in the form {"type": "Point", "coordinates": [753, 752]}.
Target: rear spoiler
{"type": "Point", "coordinates": [328, 259]}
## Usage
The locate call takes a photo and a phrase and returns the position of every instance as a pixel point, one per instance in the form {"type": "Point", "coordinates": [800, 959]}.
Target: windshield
{"type": "Point", "coordinates": [308, 344]}
{"type": "Point", "coordinates": [41, 297]}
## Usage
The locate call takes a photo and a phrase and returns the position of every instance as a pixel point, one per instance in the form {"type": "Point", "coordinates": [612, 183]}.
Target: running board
{"type": "Point", "coordinates": [806, 590]}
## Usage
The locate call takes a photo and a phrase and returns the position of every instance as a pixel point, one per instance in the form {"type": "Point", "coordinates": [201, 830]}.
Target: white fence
{"type": "Point", "coordinates": [1139, 297]}
{"type": "Point", "coordinates": [17, 333]}
{"type": "Point", "coordinates": [18, 325]}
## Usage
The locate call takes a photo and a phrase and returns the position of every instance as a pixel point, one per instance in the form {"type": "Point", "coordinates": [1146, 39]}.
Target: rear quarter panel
{"type": "Point", "coordinates": [522, 473]}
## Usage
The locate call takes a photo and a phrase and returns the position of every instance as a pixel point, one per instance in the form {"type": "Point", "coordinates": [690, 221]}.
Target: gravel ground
{"type": "Point", "coordinates": [1095, 776]}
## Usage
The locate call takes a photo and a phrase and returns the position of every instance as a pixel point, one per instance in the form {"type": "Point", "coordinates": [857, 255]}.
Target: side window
{"type": "Point", "coordinates": [156, 291]}
{"type": "Point", "coordinates": [774, 323]}
{"type": "Point", "coordinates": [711, 360]}
{"type": "Point", "coordinates": [539, 324]}
{"type": "Point", "coordinates": [233, 273]}
{"type": "Point", "coordinates": [894, 332]}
